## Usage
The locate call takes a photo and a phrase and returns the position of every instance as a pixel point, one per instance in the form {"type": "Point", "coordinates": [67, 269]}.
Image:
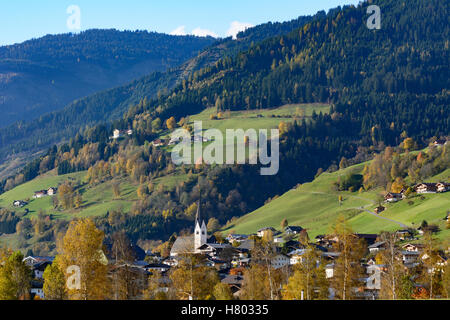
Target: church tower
{"type": "Point", "coordinates": [200, 232]}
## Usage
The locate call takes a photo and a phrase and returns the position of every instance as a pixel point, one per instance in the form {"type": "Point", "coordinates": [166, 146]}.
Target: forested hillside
{"type": "Point", "coordinates": [43, 75]}
{"type": "Point", "coordinates": [20, 140]}
{"type": "Point", "coordinates": [384, 86]}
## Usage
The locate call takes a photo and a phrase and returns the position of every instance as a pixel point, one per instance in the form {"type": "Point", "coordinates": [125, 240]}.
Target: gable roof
{"type": "Point", "coordinates": [183, 245]}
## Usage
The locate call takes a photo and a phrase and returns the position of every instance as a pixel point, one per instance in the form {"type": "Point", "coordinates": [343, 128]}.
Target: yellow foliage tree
{"type": "Point", "coordinates": [82, 247]}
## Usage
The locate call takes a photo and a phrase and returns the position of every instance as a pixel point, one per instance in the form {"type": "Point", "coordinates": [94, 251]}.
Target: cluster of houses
{"type": "Point", "coordinates": [231, 258]}
{"type": "Point", "coordinates": [420, 188]}
{"type": "Point", "coordinates": [45, 193]}
{"type": "Point", "coordinates": [175, 140]}
{"type": "Point", "coordinates": [37, 195]}
{"type": "Point", "coordinates": [117, 134]}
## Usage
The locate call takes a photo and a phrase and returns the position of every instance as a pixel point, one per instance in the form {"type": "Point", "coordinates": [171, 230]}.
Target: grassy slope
{"type": "Point", "coordinates": [315, 206]}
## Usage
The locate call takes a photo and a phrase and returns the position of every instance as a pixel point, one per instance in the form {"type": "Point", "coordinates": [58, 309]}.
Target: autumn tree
{"type": "Point", "coordinates": [171, 123]}
{"type": "Point", "coordinates": [15, 278]}
{"type": "Point", "coordinates": [309, 279]}
{"type": "Point", "coordinates": [82, 246]}
{"type": "Point", "coordinates": [54, 282]}
{"type": "Point", "coordinates": [347, 267]}
{"type": "Point", "coordinates": [192, 280]}
{"type": "Point", "coordinates": [222, 291]}
{"type": "Point", "coordinates": [393, 270]}
{"type": "Point", "coordinates": [116, 189]}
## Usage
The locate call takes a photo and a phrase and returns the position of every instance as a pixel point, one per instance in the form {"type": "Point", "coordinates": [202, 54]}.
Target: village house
{"type": "Point", "coordinates": [280, 261]}
{"type": "Point", "coordinates": [157, 143]}
{"type": "Point", "coordinates": [393, 197]}
{"type": "Point", "coordinates": [293, 230]}
{"type": "Point", "coordinates": [404, 235]}
{"type": "Point", "coordinates": [377, 246]}
{"type": "Point", "coordinates": [379, 209]}
{"type": "Point", "coordinates": [425, 188]}
{"type": "Point", "coordinates": [40, 194]}
{"type": "Point", "coordinates": [440, 142]}
{"type": "Point", "coordinates": [442, 187]}
{"type": "Point", "coordinates": [119, 134]}
{"type": "Point", "coordinates": [52, 191]}
{"type": "Point", "coordinates": [263, 231]}
{"type": "Point", "coordinates": [19, 203]}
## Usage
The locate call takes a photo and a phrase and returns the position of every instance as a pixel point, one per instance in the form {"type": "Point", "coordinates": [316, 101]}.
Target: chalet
{"type": "Point", "coordinates": [442, 187]}
{"type": "Point", "coordinates": [234, 282]}
{"type": "Point", "coordinates": [19, 204]}
{"type": "Point", "coordinates": [278, 240]}
{"type": "Point", "coordinates": [37, 289]}
{"type": "Point", "coordinates": [329, 270]}
{"type": "Point", "coordinates": [39, 268]}
{"type": "Point", "coordinates": [296, 256]}
{"type": "Point", "coordinates": [426, 188]}
{"type": "Point", "coordinates": [160, 267]}
{"type": "Point", "coordinates": [236, 237]}
{"type": "Point", "coordinates": [116, 134]}
{"type": "Point", "coordinates": [31, 261]}
{"type": "Point", "coordinates": [119, 134]}
{"type": "Point", "coordinates": [157, 143]}
{"type": "Point", "coordinates": [404, 234]}
{"type": "Point", "coordinates": [262, 231]}
{"type": "Point", "coordinates": [379, 209]}
{"type": "Point", "coordinates": [377, 246]}
{"type": "Point", "coordinates": [440, 142]}
{"type": "Point", "coordinates": [410, 247]}
{"type": "Point", "coordinates": [410, 257]}
{"type": "Point", "coordinates": [293, 229]}
{"type": "Point", "coordinates": [280, 261]}
{"type": "Point", "coordinates": [52, 191]}
{"type": "Point", "coordinates": [368, 237]}
{"type": "Point", "coordinates": [393, 197]}
{"type": "Point", "coordinates": [40, 194]}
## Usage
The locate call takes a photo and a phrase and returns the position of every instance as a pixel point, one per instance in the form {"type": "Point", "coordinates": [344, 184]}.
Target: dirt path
{"type": "Point", "coordinates": [368, 211]}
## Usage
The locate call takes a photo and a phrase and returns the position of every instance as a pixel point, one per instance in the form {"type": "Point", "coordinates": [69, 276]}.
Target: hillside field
{"type": "Point", "coordinates": [315, 206]}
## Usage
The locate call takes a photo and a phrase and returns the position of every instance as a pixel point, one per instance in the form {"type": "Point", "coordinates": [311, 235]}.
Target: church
{"type": "Point", "coordinates": [193, 244]}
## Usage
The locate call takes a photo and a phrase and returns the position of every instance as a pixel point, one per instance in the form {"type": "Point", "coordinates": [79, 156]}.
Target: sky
{"type": "Point", "coordinates": [22, 20]}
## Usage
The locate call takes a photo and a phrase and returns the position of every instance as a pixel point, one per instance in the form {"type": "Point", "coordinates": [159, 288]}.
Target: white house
{"type": "Point", "coordinates": [280, 261]}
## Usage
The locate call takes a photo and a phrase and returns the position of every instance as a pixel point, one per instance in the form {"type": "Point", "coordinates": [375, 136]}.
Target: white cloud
{"type": "Point", "coordinates": [180, 31]}
{"type": "Point", "coordinates": [199, 32]}
{"type": "Point", "coordinates": [236, 27]}
{"type": "Point", "coordinates": [203, 33]}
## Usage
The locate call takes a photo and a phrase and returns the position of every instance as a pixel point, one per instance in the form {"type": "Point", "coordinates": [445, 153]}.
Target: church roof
{"type": "Point", "coordinates": [183, 245]}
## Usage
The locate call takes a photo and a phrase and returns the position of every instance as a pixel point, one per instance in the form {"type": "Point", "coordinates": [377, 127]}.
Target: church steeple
{"type": "Point", "coordinates": [200, 232]}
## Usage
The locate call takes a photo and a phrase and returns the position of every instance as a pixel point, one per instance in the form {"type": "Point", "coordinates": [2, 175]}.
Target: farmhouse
{"type": "Point", "coordinates": [40, 194]}
{"type": "Point", "coordinates": [293, 229]}
{"type": "Point", "coordinates": [263, 231]}
{"type": "Point", "coordinates": [19, 203]}
{"type": "Point", "coordinates": [394, 197]}
{"type": "Point", "coordinates": [379, 209]}
{"type": "Point", "coordinates": [52, 191]}
{"type": "Point", "coordinates": [443, 186]}
{"type": "Point", "coordinates": [440, 142]}
{"type": "Point", "coordinates": [426, 188]}
{"type": "Point", "coordinates": [157, 143]}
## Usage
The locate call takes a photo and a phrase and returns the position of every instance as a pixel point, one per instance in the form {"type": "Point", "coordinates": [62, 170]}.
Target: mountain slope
{"type": "Point", "coordinates": [43, 75]}
{"type": "Point", "coordinates": [315, 206]}
{"type": "Point", "coordinates": [20, 140]}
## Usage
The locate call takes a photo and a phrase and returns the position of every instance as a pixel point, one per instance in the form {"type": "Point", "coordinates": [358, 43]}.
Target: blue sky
{"type": "Point", "coordinates": [21, 20]}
